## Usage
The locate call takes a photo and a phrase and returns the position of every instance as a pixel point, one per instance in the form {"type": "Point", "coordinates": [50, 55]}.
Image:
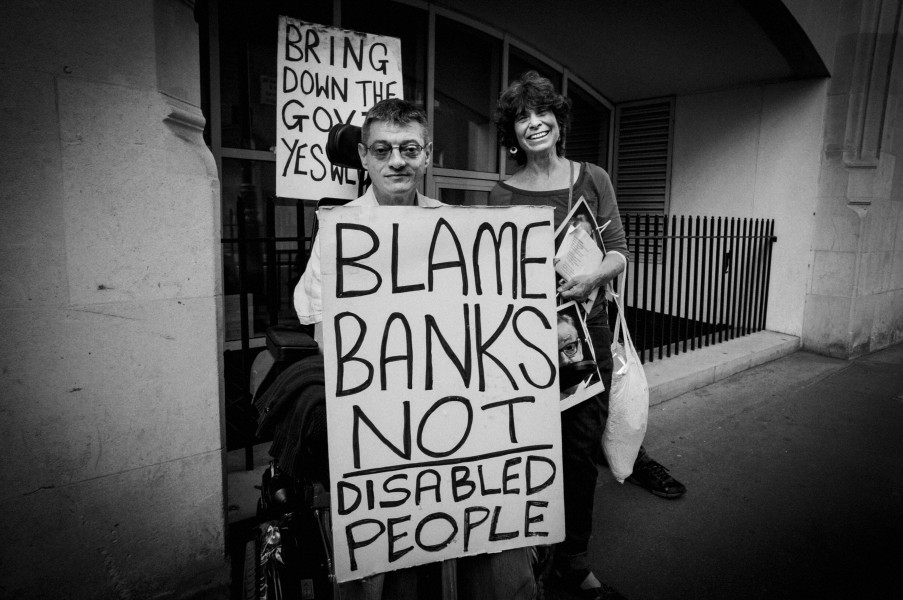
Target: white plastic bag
{"type": "Point", "coordinates": [628, 404]}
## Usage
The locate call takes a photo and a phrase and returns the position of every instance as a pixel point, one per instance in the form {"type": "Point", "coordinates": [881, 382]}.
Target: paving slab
{"type": "Point", "coordinates": [794, 488]}
{"type": "Point", "coordinates": [791, 460]}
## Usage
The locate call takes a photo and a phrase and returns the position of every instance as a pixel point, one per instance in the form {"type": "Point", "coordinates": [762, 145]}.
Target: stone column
{"type": "Point", "coordinates": [112, 477]}
{"type": "Point", "coordinates": [855, 300]}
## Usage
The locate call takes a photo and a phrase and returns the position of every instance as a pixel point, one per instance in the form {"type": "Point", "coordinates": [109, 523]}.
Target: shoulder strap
{"type": "Point", "coordinates": [596, 176]}
{"type": "Point", "coordinates": [570, 185]}
{"type": "Point", "coordinates": [592, 174]}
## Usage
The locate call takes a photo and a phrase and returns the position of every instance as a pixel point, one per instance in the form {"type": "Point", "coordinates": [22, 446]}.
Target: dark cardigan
{"type": "Point", "coordinates": [293, 409]}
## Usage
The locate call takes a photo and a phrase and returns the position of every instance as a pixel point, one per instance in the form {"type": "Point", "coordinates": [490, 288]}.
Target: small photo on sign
{"type": "Point", "coordinates": [579, 249]}
{"type": "Point", "coordinates": [580, 217]}
{"type": "Point", "coordinates": [579, 377]}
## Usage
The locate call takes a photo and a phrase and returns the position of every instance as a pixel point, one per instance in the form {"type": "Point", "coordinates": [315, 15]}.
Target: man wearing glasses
{"type": "Point", "coordinates": [395, 150]}
{"type": "Point", "coordinates": [570, 349]}
{"type": "Point", "coordinates": [575, 360]}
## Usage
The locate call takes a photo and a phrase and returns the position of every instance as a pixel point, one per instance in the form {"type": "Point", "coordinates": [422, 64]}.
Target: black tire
{"type": "Point", "coordinates": [251, 570]}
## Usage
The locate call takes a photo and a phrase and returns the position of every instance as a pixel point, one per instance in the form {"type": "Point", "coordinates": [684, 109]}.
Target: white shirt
{"type": "Point", "coordinates": [308, 297]}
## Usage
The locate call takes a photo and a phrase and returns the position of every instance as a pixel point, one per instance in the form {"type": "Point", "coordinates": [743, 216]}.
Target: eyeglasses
{"type": "Point", "coordinates": [381, 151]}
{"type": "Point", "coordinates": [570, 350]}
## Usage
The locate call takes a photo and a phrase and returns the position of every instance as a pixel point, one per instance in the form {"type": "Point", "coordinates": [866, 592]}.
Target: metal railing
{"type": "Point", "coordinates": [695, 281]}
{"type": "Point", "coordinates": [691, 282]}
{"type": "Point", "coordinates": [262, 265]}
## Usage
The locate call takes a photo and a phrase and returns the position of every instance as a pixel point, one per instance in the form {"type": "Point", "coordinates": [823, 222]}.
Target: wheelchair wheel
{"type": "Point", "coordinates": [250, 587]}
{"type": "Point", "coordinates": [268, 578]}
{"type": "Point", "coordinates": [285, 561]}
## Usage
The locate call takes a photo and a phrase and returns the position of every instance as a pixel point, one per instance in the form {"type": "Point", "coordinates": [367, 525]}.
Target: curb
{"type": "Point", "coordinates": [678, 374]}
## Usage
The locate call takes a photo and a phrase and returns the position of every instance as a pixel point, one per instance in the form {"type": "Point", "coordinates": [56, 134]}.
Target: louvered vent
{"type": "Point", "coordinates": [643, 156]}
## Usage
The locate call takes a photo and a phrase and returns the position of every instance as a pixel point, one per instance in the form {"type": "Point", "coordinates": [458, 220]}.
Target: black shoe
{"type": "Point", "coordinates": [571, 582]}
{"type": "Point", "coordinates": [655, 478]}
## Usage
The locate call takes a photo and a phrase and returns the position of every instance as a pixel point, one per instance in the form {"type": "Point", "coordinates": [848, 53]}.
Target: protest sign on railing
{"type": "Point", "coordinates": [440, 351]}
{"type": "Point", "coordinates": [326, 76]}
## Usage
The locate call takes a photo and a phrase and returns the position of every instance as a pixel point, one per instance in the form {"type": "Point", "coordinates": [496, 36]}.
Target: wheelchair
{"type": "Point", "coordinates": [290, 553]}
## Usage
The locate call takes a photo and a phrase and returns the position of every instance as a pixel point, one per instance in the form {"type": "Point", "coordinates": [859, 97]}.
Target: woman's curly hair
{"type": "Point", "coordinates": [530, 91]}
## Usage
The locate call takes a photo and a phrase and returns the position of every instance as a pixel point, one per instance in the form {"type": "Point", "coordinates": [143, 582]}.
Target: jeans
{"type": "Point", "coordinates": [581, 435]}
{"type": "Point", "coordinates": [506, 575]}
{"type": "Point", "coordinates": [398, 585]}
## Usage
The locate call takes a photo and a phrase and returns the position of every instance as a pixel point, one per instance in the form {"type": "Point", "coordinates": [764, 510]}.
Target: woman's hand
{"type": "Point", "coordinates": [579, 288]}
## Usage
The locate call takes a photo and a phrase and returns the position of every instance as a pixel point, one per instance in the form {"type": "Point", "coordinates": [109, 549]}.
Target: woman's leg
{"type": "Point", "coordinates": [581, 434]}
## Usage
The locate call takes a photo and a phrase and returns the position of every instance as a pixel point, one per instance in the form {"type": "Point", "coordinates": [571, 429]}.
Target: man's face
{"type": "Point", "coordinates": [569, 348]}
{"type": "Point", "coordinates": [395, 178]}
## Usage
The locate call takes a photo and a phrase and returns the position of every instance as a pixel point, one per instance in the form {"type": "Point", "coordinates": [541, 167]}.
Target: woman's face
{"type": "Point", "coordinates": [537, 131]}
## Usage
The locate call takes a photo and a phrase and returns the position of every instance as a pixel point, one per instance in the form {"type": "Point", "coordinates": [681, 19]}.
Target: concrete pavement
{"type": "Point", "coordinates": [795, 488]}
{"type": "Point", "coordinates": [793, 466]}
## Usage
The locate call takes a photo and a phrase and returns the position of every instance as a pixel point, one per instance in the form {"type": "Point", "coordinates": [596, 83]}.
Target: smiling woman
{"type": "Point", "coordinates": [537, 128]}
{"type": "Point", "coordinates": [533, 117]}
{"type": "Point", "coordinates": [533, 121]}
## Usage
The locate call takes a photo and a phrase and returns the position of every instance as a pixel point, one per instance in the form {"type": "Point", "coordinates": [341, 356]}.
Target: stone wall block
{"type": "Point", "coordinates": [111, 305]}
{"type": "Point", "coordinates": [32, 248]}
{"type": "Point", "coordinates": [835, 122]}
{"type": "Point", "coordinates": [175, 37]}
{"type": "Point", "coordinates": [896, 316]}
{"type": "Point", "coordinates": [868, 184]}
{"type": "Point", "coordinates": [896, 82]}
{"type": "Point", "coordinates": [874, 273]}
{"type": "Point", "coordinates": [119, 198]}
{"type": "Point", "coordinates": [844, 226]}
{"type": "Point", "coordinates": [119, 536]}
{"type": "Point", "coordinates": [862, 320]}
{"type": "Point", "coordinates": [835, 232]}
{"type": "Point", "coordinates": [821, 318]}
{"type": "Point", "coordinates": [95, 40]}
{"type": "Point", "coordinates": [844, 59]}
{"type": "Point", "coordinates": [107, 388]}
{"type": "Point", "coordinates": [891, 119]}
{"type": "Point", "coordinates": [833, 177]}
{"type": "Point", "coordinates": [887, 328]}
{"type": "Point", "coordinates": [833, 273]}
{"type": "Point", "coordinates": [880, 229]}
{"type": "Point", "coordinates": [870, 82]}
{"type": "Point", "coordinates": [848, 22]}
{"type": "Point", "coordinates": [896, 270]}
{"type": "Point", "coordinates": [896, 184]}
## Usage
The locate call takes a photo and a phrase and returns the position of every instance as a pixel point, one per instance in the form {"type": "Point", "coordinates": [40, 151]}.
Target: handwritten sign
{"type": "Point", "coordinates": [326, 76]}
{"type": "Point", "coordinates": [440, 350]}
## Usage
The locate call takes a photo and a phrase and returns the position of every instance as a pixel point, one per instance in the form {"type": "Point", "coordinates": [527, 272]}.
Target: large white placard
{"type": "Point", "coordinates": [440, 350]}
{"type": "Point", "coordinates": [326, 76]}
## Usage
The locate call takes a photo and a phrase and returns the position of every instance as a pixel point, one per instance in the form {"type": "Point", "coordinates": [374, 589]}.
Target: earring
{"type": "Point", "coordinates": [512, 150]}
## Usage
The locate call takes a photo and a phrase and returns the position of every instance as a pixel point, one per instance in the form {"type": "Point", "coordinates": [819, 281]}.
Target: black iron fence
{"type": "Point", "coordinates": [695, 281]}
{"type": "Point", "coordinates": [265, 244]}
{"type": "Point", "coordinates": [691, 282]}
